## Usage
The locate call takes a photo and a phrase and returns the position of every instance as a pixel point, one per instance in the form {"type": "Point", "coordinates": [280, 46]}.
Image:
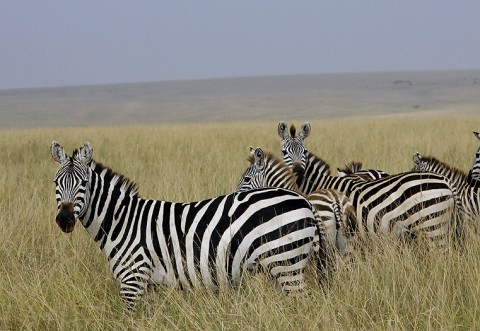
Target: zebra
{"type": "Point", "coordinates": [403, 204]}
{"type": "Point", "coordinates": [468, 196]}
{"type": "Point", "coordinates": [334, 211]}
{"type": "Point", "coordinates": [354, 168]}
{"type": "Point", "coordinates": [198, 244]}
{"type": "Point", "coordinates": [474, 173]}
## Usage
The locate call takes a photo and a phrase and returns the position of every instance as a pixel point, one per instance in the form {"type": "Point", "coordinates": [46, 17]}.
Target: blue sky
{"type": "Point", "coordinates": [64, 43]}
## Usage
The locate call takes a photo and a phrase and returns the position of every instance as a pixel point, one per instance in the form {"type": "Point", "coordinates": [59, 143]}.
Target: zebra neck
{"type": "Point", "coordinates": [475, 171]}
{"type": "Point", "coordinates": [456, 177]}
{"type": "Point", "coordinates": [317, 172]}
{"type": "Point", "coordinates": [110, 197]}
{"type": "Point", "coordinates": [280, 175]}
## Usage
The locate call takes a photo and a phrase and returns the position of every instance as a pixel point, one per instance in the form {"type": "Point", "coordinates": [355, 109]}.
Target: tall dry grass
{"type": "Point", "coordinates": [50, 280]}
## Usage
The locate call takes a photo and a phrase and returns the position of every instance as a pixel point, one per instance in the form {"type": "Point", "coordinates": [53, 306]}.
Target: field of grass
{"type": "Point", "coordinates": [52, 280]}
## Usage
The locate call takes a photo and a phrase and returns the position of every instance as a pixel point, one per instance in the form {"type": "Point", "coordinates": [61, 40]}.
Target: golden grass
{"type": "Point", "coordinates": [50, 280]}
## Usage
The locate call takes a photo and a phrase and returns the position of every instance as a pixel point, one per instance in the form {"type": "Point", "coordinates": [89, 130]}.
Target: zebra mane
{"type": "Point", "coordinates": [276, 163]}
{"type": "Point", "coordinates": [110, 175]}
{"type": "Point", "coordinates": [351, 168]}
{"type": "Point", "coordinates": [320, 163]}
{"type": "Point", "coordinates": [456, 173]}
{"type": "Point", "coordinates": [292, 131]}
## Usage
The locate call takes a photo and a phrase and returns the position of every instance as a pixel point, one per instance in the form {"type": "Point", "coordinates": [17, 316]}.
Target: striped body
{"type": "Point", "coordinates": [403, 204]}
{"type": "Point", "coordinates": [468, 196]}
{"type": "Point", "coordinates": [205, 243]}
{"type": "Point", "coordinates": [333, 210]}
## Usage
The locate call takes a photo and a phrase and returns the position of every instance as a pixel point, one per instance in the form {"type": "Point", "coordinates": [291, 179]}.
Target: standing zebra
{"type": "Point", "coordinates": [354, 168]}
{"type": "Point", "coordinates": [401, 204]}
{"type": "Point", "coordinates": [474, 174]}
{"type": "Point", "coordinates": [333, 210]}
{"type": "Point", "coordinates": [468, 196]}
{"type": "Point", "coordinates": [204, 243]}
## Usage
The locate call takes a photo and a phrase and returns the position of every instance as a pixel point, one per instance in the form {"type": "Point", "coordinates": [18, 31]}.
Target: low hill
{"type": "Point", "coordinates": [245, 99]}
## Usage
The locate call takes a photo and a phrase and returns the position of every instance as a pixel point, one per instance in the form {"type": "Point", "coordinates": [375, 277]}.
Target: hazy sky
{"type": "Point", "coordinates": [56, 43]}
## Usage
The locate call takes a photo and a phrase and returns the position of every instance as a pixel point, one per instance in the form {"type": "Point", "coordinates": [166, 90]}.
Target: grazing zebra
{"type": "Point", "coordinates": [354, 168]}
{"type": "Point", "coordinates": [204, 243]}
{"type": "Point", "coordinates": [334, 211]}
{"type": "Point", "coordinates": [468, 196]}
{"type": "Point", "coordinates": [402, 204]}
{"type": "Point", "coordinates": [474, 174]}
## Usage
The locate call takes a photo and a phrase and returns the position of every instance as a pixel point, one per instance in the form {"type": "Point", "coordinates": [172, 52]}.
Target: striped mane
{"type": "Point", "coordinates": [292, 130]}
{"type": "Point", "coordinates": [129, 187]}
{"type": "Point", "coordinates": [456, 174]}
{"type": "Point", "coordinates": [351, 168]}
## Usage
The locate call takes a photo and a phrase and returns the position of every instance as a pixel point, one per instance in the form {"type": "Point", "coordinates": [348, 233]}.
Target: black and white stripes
{"type": "Point", "coordinates": [333, 210]}
{"type": "Point", "coordinates": [404, 204]}
{"type": "Point", "coordinates": [205, 243]}
{"type": "Point", "coordinates": [474, 174]}
{"type": "Point", "coordinates": [468, 196]}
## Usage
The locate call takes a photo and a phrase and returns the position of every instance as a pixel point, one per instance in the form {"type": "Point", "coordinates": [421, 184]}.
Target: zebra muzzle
{"type": "Point", "coordinates": [297, 168]}
{"type": "Point", "coordinates": [299, 172]}
{"type": "Point", "coordinates": [65, 217]}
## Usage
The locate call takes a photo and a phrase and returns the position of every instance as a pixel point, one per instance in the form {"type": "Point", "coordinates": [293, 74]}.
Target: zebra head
{"type": "Point", "coordinates": [418, 163]}
{"type": "Point", "coordinates": [254, 176]}
{"type": "Point", "coordinates": [71, 182]}
{"type": "Point", "coordinates": [294, 151]}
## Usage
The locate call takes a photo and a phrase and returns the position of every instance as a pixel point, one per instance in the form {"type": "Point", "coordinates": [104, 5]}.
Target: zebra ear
{"type": "Point", "coordinates": [258, 157]}
{"type": "Point", "coordinates": [85, 153]}
{"type": "Point", "coordinates": [282, 130]}
{"type": "Point", "coordinates": [58, 153]}
{"type": "Point", "coordinates": [252, 150]}
{"type": "Point", "coordinates": [306, 128]}
{"type": "Point", "coordinates": [417, 158]}
{"type": "Point", "coordinates": [477, 134]}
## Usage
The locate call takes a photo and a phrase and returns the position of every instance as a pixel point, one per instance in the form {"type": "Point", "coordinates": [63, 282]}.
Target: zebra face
{"type": "Point", "coordinates": [254, 176]}
{"type": "Point", "coordinates": [294, 152]}
{"type": "Point", "coordinates": [71, 184]}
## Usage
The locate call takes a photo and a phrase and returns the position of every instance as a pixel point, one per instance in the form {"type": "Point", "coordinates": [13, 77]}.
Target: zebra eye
{"type": "Point", "coordinates": [247, 179]}
{"type": "Point", "coordinates": [284, 152]}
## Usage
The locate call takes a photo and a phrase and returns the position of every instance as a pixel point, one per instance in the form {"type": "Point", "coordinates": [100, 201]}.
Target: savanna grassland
{"type": "Point", "coordinates": [52, 280]}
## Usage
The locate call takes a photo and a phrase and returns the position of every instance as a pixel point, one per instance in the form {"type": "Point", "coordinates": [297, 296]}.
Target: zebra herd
{"type": "Point", "coordinates": [283, 212]}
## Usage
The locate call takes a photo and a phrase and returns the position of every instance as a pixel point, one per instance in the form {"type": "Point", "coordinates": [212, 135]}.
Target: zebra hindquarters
{"type": "Point", "coordinates": [277, 235]}
{"type": "Point", "coordinates": [429, 214]}
{"type": "Point", "coordinates": [337, 217]}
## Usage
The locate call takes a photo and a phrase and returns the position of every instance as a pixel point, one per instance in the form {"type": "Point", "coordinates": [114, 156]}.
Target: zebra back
{"type": "Point", "coordinates": [354, 168]}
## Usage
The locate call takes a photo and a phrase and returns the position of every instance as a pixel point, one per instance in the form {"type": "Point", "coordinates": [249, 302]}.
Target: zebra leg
{"type": "Point", "coordinates": [287, 268]}
{"type": "Point", "coordinates": [132, 287]}
{"type": "Point", "coordinates": [291, 278]}
{"type": "Point", "coordinates": [133, 284]}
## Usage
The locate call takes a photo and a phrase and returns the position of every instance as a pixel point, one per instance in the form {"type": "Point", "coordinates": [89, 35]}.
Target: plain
{"type": "Point", "coordinates": [50, 280]}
